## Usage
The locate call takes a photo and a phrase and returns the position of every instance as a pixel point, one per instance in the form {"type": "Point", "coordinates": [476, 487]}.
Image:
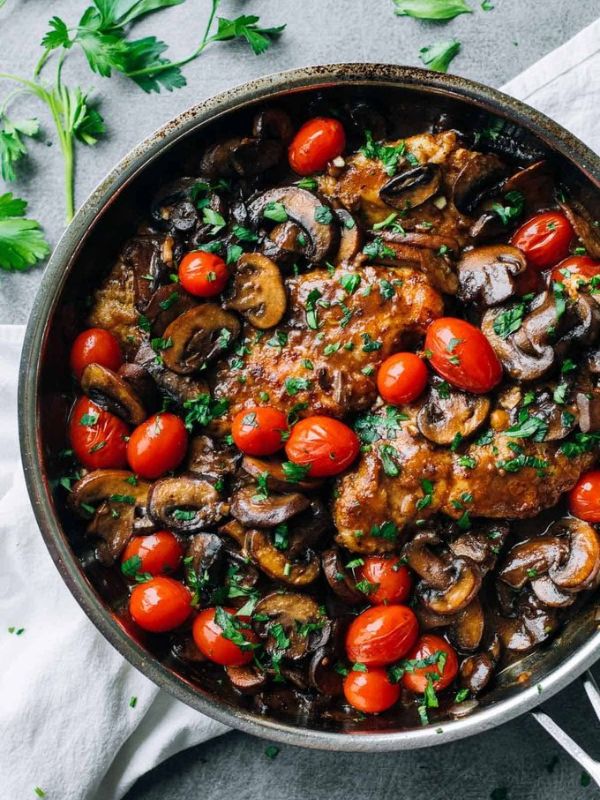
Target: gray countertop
{"type": "Point", "coordinates": [496, 46]}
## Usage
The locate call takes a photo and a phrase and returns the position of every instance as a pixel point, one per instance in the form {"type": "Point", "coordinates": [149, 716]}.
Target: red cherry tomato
{"type": "Point", "coordinates": [392, 579]}
{"type": "Point", "coordinates": [211, 642]}
{"type": "Point", "coordinates": [95, 346]}
{"type": "Point", "coordinates": [324, 444]}
{"type": "Point", "coordinates": [401, 378]}
{"type": "Point", "coordinates": [160, 604]}
{"type": "Point", "coordinates": [157, 445]}
{"type": "Point", "coordinates": [203, 274]}
{"type": "Point", "coordinates": [372, 691]}
{"type": "Point", "coordinates": [575, 268]}
{"type": "Point", "coordinates": [462, 355]}
{"type": "Point", "coordinates": [584, 498]}
{"type": "Point", "coordinates": [318, 142]}
{"type": "Point", "coordinates": [98, 438]}
{"type": "Point", "coordinates": [258, 431]}
{"type": "Point", "coordinates": [381, 635]}
{"type": "Point", "coordinates": [158, 552]}
{"type": "Point", "coordinates": [427, 646]}
{"type": "Point", "coordinates": [544, 239]}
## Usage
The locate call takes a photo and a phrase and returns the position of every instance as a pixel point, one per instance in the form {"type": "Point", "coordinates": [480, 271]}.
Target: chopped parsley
{"type": "Point", "coordinates": [295, 385]}
{"type": "Point", "coordinates": [324, 215]}
{"type": "Point", "coordinates": [276, 212]}
{"type": "Point", "coordinates": [510, 321]}
{"type": "Point", "coordinates": [203, 409]}
{"type": "Point", "coordinates": [389, 155]}
{"type": "Point", "coordinates": [389, 460]}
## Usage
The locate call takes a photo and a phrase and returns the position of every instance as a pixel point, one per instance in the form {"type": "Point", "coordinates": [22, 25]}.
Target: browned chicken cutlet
{"type": "Point", "coordinates": [372, 509]}
{"type": "Point", "coordinates": [323, 360]}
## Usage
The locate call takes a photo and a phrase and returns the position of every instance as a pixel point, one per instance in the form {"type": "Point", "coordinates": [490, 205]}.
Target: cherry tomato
{"type": "Point", "coordinates": [324, 444]}
{"type": "Point", "coordinates": [98, 438]}
{"type": "Point", "coordinates": [462, 355]}
{"type": "Point", "coordinates": [160, 604]}
{"type": "Point", "coordinates": [392, 579]}
{"type": "Point", "coordinates": [318, 142]}
{"type": "Point", "coordinates": [211, 642]}
{"type": "Point", "coordinates": [544, 239]}
{"type": "Point", "coordinates": [401, 378]}
{"type": "Point", "coordinates": [158, 552]}
{"type": "Point", "coordinates": [372, 691]}
{"type": "Point", "coordinates": [575, 269]}
{"type": "Point", "coordinates": [157, 445]}
{"type": "Point", "coordinates": [381, 635]}
{"type": "Point", "coordinates": [427, 646]}
{"type": "Point", "coordinates": [258, 431]}
{"type": "Point", "coordinates": [203, 274]}
{"type": "Point", "coordinates": [95, 346]}
{"type": "Point", "coordinates": [584, 498]}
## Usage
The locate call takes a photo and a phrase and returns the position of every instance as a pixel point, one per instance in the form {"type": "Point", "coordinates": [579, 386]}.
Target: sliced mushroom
{"type": "Point", "coordinates": [207, 459]}
{"type": "Point", "coordinates": [254, 156]}
{"type": "Point", "coordinates": [216, 161]}
{"type": "Point", "coordinates": [257, 291]}
{"type": "Point", "coordinates": [273, 123]}
{"type": "Point", "coordinates": [413, 187]}
{"type": "Point", "coordinates": [465, 582]}
{"type": "Point", "coordinates": [235, 530]}
{"type": "Point", "coordinates": [112, 393]}
{"type": "Point", "coordinates": [247, 679]}
{"type": "Point", "coordinates": [289, 236]}
{"type": "Point", "coordinates": [481, 172]}
{"type": "Point", "coordinates": [179, 388]}
{"type": "Point", "coordinates": [121, 495]}
{"type": "Point", "coordinates": [482, 544]}
{"type": "Point", "coordinates": [427, 564]}
{"type": "Point", "coordinates": [268, 512]}
{"type": "Point", "coordinates": [206, 553]}
{"type": "Point", "coordinates": [586, 228]}
{"type": "Point", "coordinates": [302, 207]}
{"type": "Point", "coordinates": [535, 183]}
{"type": "Point", "coordinates": [290, 611]}
{"type": "Point", "coordinates": [143, 255]}
{"type": "Point", "coordinates": [185, 504]}
{"type": "Point", "coordinates": [588, 407]}
{"type": "Point", "coordinates": [488, 226]}
{"type": "Point", "coordinates": [522, 358]}
{"type": "Point", "coordinates": [534, 624]}
{"type": "Point", "coordinates": [350, 237]}
{"type": "Point", "coordinates": [307, 528]}
{"type": "Point", "coordinates": [165, 305]}
{"type": "Point", "coordinates": [276, 480]}
{"type": "Point", "coordinates": [322, 675]}
{"type": "Point", "coordinates": [582, 564]}
{"type": "Point", "coordinates": [340, 579]}
{"type": "Point", "coordinates": [197, 337]}
{"type": "Point", "coordinates": [140, 381]}
{"type": "Point", "coordinates": [532, 558]}
{"type": "Point", "coordinates": [549, 594]}
{"type": "Point", "coordinates": [428, 241]}
{"type": "Point", "coordinates": [469, 626]}
{"type": "Point", "coordinates": [476, 672]}
{"type": "Point", "coordinates": [171, 206]}
{"type": "Point", "coordinates": [444, 417]}
{"type": "Point", "coordinates": [274, 563]}
{"type": "Point", "coordinates": [486, 275]}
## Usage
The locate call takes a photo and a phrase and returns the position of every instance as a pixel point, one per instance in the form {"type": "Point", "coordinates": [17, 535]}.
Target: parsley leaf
{"type": "Point", "coordinates": [431, 9]}
{"type": "Point", "coordinates": [203, 409]}
{"type": "Point", "coordinates": [388, 154]}
{"type": "Point", "coordinates": [438, 56]}
{"type": "Point", "coordinates": [22, 242]}
{"type": "Point", "coordinates": [245, 27]}
{"type": "Point", "coordinates": [12, 148]}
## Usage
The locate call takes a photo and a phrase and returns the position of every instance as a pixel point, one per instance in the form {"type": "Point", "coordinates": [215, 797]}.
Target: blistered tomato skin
{"type": "Point", "coordinates": [381, 635]}
{"type": "Point", "coordinates": [259, 430]}
{"type": "Point", "coordinates": [158, 552]}
{"type": "Point", "coordinates": [371, 692]}
{"type": "Point", "coordinates": [584, 498]}
{"type": "Point", "coordinates": [157, 445]}
{"type": "Point", "coordinates": [427, 646]}
{"type": "Point", "coordinates": [402, 378]}
{"type": "Point", "coordinates": [392, 580]}
{"type": "Point", "coordinates": [209, 639]}
{"type": "Point", "coordinates": [461, 354]}
{"type": "Point", "coordinates": [545, 239]}
{"type": "Point", "coordinates": [323, 444]}
{"type": "Point", "coordinates": [95, 346]}
{"type": "Point", "coordinates": [203, 274]}
{"type": "Point", "coordinates": [98, 438]}
{"type": "Point", "coordinates": [318, 142]}
{"type": "Point", "coordinates": [160, 604]}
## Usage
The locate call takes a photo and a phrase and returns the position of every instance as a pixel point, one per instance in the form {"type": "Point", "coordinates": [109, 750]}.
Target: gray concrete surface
{"type": "Point", "coordinates": [497, 45]}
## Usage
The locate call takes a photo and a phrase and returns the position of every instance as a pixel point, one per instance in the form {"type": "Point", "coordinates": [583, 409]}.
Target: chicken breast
{"type": "Point", "coordinates": [372, 509]}
{"type": "Point", "coordinates": [340, 327]}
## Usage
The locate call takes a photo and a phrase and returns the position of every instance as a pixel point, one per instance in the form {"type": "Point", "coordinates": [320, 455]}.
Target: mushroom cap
{"type": "Point", "coordinates": [486, 275]}
{"type": "Point", "coordinates": [268, 512]}
{"type": "Point", "coordinates": [113, 393]}
{"type": "Point", "coordinates": [257, 291]}
{"type": "Point", "coordinates": [274, 563]}
{"type": "Point", "coordinates": [413, 187]}
{"type": "Point", "coordinates": [444, 416]}
{"type": "Point", "coordinates": [196, 337]}
{"type": "Point", "coordinates": [185, 503]}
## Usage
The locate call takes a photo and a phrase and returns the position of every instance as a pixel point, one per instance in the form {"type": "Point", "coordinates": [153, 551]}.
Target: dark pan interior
{"type": "Point", "coordinates": [410, 110]}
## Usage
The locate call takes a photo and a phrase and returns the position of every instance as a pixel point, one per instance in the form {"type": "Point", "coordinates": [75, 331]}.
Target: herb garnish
{"type": "Point", "coordinates": [438, 56]}
{"type": "Point", "coordinates": [22, 243]}
{"type": "Point", "coordinates": [510, 321]}
{"type": "Point", "coordinates": [431, 9]}
{"type": "Point", "coordinates": [203, 409]}
{"type": "Point", "coordinates": [389, 155]}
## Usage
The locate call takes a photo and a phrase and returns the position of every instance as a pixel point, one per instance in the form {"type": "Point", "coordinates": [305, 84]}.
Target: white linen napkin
{"type": "Point", "coordinates": [66, 725]}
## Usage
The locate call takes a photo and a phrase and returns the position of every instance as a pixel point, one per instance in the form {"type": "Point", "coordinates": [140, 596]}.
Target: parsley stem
{"type": "Point", "coordinates": [156, 69]}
